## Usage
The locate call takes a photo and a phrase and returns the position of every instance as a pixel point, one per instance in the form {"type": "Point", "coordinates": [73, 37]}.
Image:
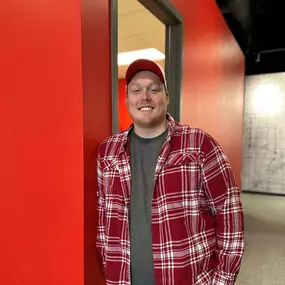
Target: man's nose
{"type": "Point", "coordinates": [145, 94]}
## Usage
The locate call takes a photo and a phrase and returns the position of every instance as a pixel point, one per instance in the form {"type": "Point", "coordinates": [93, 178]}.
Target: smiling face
{"type": "Point", "coordinates": [147, 100]}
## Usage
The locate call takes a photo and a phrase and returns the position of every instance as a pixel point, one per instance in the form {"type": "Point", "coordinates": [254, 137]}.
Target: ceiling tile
{"type": "Point", "coordinates": [123, 33]}
{"type": "Point", "coordinates": [132, 43]}
{"type": "Point", "coordinates": [140, 22]}
{"type": "Point", "coordinates": [129, 7]}
{"type": "Point", "coordinates": [138, 29]}
{"type": "Point", "coordinates": [155, 39]}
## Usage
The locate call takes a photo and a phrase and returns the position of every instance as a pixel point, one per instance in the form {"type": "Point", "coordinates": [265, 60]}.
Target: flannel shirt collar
{"type": "Point", "coordinates": [126, 133]}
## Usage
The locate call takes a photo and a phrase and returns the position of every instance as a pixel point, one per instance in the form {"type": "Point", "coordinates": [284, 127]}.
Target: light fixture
{"type": "Point", "coordinates": [267, 99]}
{"type": "Point", "coordinates": [125, 58]}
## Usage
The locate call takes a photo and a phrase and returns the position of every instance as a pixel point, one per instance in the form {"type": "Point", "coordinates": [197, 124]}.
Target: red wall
{"type": "Point", "coordinates": [97, 116]}
{"type": "Point", "coordinates": [213, 77]}
{"type": "Point", "coordinates": [124, 118]}
{"type": "Point", "coordinates": [41, 148]}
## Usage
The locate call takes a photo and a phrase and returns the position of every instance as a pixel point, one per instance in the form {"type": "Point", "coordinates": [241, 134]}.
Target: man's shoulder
{"type": "Point", "coordinates": [195, 136]}
{"type": "Point", "coordinates": [188, 130]}
{"type": "Point", "coordinates": [112, 144]}
{"type": "Point", "coordinates": [116, 138]}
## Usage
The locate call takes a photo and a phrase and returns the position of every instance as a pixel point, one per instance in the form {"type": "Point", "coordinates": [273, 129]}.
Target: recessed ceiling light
{"type": "Point", "coordinates": [125, 58]}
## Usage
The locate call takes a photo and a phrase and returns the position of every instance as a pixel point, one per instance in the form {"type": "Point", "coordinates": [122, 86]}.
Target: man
{"type": "Point", "coordinates": [169, 208]}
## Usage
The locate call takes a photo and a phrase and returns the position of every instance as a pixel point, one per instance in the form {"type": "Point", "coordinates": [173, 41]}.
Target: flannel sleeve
{"type": "Point", "coordinates": [100, 241]}
{"type": "Point", "coordinates": [225, 204]}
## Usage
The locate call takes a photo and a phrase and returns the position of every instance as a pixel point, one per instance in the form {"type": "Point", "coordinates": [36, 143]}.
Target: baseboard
{"type": "Point", "coordinates": [262, 193]}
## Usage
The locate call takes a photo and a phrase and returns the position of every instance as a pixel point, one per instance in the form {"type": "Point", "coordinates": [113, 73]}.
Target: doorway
{"type": "Point", "coordinates": [152, 26]}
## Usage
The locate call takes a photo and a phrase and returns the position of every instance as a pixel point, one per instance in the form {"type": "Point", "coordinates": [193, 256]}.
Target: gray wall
{"type": "Point", "coordinates": [264, 134]}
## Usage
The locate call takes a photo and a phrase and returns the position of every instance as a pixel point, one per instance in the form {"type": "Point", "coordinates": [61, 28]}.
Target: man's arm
{"type": "Point", "coordinates": [224, 201]}
{"type": "Point", "coordinates": [100, 243]}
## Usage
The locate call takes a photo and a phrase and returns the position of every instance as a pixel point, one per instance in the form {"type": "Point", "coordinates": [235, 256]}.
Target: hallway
{"type": "Point", "coordinates": [264, 259]}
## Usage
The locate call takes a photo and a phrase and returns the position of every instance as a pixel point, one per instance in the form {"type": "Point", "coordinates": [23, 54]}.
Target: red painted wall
{"type": "Point", "coordinates": [97, 118]}
{"type": "Point", "coordinates": [213, 77]}
{"type": "Point", "coordinates": [41, 177]}
{"type": "Point", "coordinates": [124, 118]}
{"type": "Point", "coordinates": [43, 172]}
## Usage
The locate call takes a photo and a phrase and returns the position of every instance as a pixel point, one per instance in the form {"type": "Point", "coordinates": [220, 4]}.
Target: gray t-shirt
{"type": "Point", "coordinates": [144, 154]}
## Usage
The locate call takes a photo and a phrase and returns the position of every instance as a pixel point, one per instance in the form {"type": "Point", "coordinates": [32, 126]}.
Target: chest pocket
{"type": "Point", "coordinates": [182, 173]}
{"type": "Point", "coordinates": [181, 159]}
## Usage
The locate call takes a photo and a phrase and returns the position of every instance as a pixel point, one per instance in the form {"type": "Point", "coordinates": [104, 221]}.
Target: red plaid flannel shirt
{"type": "Point", "coordinates": [197, 218]}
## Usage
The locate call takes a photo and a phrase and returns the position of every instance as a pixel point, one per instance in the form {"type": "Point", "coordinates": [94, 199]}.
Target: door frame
{"type": "Point", "coordinates": [174, 37]}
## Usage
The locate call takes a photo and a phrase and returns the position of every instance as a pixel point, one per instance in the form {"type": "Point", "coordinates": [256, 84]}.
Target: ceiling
{"type": "Point", "coordinates": [256, 24]}
{"type": "Point", "coordinates": [258, 28]}
{"type": "Point", "coordinates": [138, 29]}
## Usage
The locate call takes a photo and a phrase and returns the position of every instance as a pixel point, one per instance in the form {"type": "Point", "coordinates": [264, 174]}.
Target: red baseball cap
{"type": "Point", "coordinates": [145, 65]}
